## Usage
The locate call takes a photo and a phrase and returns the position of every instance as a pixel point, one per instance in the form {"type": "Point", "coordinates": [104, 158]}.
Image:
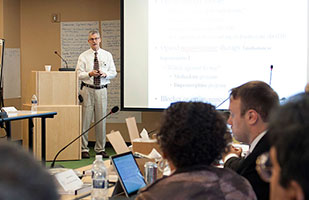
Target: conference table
{"type": "Point", "coordinates": [27, 114]}
{"type": "Point", "coordinates": [87, 179]}
{"type": "Point", "coordinates": [112, 178]}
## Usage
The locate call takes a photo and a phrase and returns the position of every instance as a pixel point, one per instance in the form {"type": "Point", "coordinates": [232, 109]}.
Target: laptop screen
{"type": "Point", "coordinates": [129, 174]}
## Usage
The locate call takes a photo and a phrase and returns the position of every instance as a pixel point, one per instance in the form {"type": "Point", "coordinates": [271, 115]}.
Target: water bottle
{"type": "Point", "coordinates": [99, 180]}
{"type": "Point", "coordinates": [34, 103]}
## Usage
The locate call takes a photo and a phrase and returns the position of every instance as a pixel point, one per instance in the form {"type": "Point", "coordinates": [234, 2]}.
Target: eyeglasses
{"type": "Point", "coordinates": [264, 166]}
{"type": "Point", "coordinates": [93, 39]}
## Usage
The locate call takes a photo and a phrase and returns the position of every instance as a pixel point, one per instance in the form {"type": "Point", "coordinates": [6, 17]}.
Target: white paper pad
{"type": "Point", "coordinates": [69, 180]}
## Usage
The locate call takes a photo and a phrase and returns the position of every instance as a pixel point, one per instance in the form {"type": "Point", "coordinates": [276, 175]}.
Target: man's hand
{"type": "Point", "coordinates": [231, 150]}
{"type": "Point", "coordinates": [235, 150]}
{"type": "Point", "coordinates": [94, 73]}
{"type": "Point", "coordinates": [103, 74]}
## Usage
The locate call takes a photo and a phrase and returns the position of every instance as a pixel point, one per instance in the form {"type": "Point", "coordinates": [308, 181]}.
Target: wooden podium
{"type": "Point", "coordinates": [56, 91]}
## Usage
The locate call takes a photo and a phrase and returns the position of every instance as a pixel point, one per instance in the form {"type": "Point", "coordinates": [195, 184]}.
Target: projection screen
{"type": "Point", "coordinates": [197, 50]}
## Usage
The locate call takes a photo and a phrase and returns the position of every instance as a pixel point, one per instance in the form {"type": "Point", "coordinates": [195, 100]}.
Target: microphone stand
{"type": "Point", "coordinates": [53, 163]}
{"type": "Point", "coordinates": [66, 64]}
{"type": "Point", "coordinates": [222, 102]}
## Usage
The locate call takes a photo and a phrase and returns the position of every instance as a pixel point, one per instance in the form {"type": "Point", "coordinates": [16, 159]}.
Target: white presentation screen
{"type": "Point", "coordinates": [197, 50]}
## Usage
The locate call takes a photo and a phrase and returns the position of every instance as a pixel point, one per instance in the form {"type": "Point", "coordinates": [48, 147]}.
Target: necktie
{"type": "Point", "coordinates": [96, 80]}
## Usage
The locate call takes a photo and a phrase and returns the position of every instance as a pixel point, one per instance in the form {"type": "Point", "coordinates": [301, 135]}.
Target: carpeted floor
{"type": "Point", "coordinates": [73, 164]}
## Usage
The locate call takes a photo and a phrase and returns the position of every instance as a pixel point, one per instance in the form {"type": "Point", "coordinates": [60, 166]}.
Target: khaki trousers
{"type": "Point", "coordinates": [94, 104]}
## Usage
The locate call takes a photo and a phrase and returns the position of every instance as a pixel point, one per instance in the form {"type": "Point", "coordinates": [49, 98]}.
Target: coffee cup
{"type": "Point", "coordinates": [47, 68]}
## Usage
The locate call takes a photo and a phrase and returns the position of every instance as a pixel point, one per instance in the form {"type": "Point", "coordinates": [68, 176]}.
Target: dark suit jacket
{"type": "Point", "coordinates": [247, 168]}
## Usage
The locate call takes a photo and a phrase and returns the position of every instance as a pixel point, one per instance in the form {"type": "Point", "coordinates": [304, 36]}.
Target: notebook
{"type": "Point", "coordinates": [130, 177]}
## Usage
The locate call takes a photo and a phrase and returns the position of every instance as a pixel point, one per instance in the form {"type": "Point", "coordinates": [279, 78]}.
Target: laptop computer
{"type": "Point", "coordinates": [130, 177]}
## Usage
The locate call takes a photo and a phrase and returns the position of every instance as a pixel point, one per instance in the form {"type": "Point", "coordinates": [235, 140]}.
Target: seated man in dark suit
{"type": "Point", "coordinates": [289, 152]}
{"type": "Point", "coordinates": [250, 106]}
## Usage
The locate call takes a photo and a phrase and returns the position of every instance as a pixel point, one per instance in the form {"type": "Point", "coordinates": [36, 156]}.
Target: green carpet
{"type": "Point", "coordinates": [73, 164]}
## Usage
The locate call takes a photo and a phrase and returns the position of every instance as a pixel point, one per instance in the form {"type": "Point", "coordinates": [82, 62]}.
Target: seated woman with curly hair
{"type": "Point", "coordinates": [192, 138]}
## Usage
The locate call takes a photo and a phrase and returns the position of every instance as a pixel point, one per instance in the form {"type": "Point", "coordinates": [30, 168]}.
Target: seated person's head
{"type": "Point", "coordinates": [22, 177]}
{"type": "Point", "coordinates": [250, 107]}
{"type": "Point", "coordinates": [256, 95]}
{"type": "Point", "coordinates": [192, 133]}
{"type": "Point", "coordinates": [290, 150]}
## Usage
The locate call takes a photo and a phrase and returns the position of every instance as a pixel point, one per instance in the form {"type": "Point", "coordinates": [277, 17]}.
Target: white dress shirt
{"type": "Point", "coordinates": [255, 141]}
{"type": "Point", "coordinates": [85, 65]}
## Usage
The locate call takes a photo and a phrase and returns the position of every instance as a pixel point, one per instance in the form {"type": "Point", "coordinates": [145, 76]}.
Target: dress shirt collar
{"type": "Point", "coordinates": [256, 140]}
{"type": "Point", "coordinates": [94, 50]}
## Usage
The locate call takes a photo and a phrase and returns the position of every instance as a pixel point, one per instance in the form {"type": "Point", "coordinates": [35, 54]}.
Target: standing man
{"type": "Point", "coordinates": [95, 68]}
{"type": "Point", "coordinates": [250, 106]}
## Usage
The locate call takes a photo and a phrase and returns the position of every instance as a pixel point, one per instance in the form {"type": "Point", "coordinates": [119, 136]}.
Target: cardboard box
{"type": "Point", "coordinates": [145, 147]}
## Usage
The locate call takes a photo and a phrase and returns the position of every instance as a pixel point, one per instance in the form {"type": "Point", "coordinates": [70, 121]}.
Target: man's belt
{"type": "Point", "coordinates": [93, 86]}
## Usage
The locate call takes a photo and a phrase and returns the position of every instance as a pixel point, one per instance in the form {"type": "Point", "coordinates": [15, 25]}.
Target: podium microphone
{"type": "Point", "coordinates": [114, 110]}
{"type": "Point", "coordinates": [271, 74]}
{"type": "Point", "coordinates": [66, 63]}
